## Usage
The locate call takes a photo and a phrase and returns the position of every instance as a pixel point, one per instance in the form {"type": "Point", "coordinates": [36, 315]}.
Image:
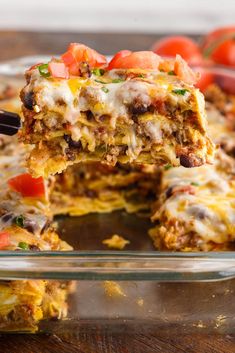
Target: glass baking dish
{"type": "Point", "coordinates": [140, 288]}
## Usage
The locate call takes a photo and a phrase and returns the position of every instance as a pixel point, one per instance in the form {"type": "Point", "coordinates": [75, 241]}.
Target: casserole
{"type": "Point", "coordinates": [131, 288]}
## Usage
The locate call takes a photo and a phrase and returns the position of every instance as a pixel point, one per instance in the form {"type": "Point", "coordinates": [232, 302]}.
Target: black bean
{"type": "Point", "coordinates": [29, 100]}
{"type": "Point", "coordinates": [186, 161]}
{"type": "Point", "coordinates": [169, 192]}
{"type": "Point", "coordinates": [89, 115]}
{"type": "Point", "coordinates": [71, 143]}
{"type": "Point", "coordinates": [138, 109]}
{"type": "Point", "coordinates": [7, 217]}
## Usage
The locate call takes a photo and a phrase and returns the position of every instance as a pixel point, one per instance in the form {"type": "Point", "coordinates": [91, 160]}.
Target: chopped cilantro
{"type": "Point", "coordinates": [98, 72]}
{"type": "Point", "coordinates": [180, 91]}
{"type": "Point", "coordinates": [141, 75]}
{"type": "Point", "coordinates": [43, 70]}
{"type": "Point", "coordinates": [117, 80]}
{"type": "Point", "coordinates": [172, 73]}
{"type": "Point", "coordinates": [167, 166]}
{"type": "Point", "coordinates": [19, 221]}
{"type": "Point", "coordinates": [194, 183]}
{"type": "Point", "coordinates": [104, 89]}
{"type": "Point", "coordinates": [23, 245]}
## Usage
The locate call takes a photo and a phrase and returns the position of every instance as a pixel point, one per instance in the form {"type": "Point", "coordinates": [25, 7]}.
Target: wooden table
{"type": "Point", "coordinates": [14, 44]}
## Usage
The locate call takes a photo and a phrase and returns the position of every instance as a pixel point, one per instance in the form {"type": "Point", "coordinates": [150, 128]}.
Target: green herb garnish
{"type": "Point", "coordinates": [104, 89]}
{"type": "Point", "coordinates": [180, 91]}
{"type": "Point", "coordinates": [194, 183]}
{"type": "Point", "coordinates": [19, 221]}
{"type": "Point", "coordinates": [43, 70]}
{"type": "Point", "coordinates": [172, 73]}
{"type": "Point", "coordinates": [141, 75]}
{"type": "Point", "coordinates": [98, 72]}
{"type": "Point", "coordinates": [168, 166]}
{"type": "Point", "coordinates": [23, 245]}
{"type": "Point", "coordinates": [117, 80]}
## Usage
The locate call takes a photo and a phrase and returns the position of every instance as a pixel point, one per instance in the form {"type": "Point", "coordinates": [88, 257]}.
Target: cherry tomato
{"type": "Point", "coordinates": [58, 69]}
{"type": "Point", "coordinates": [117, 56]}
{"type": "Point", "coordinates": [186, 47]}
{"type": "Point", "coordinates": [146, 60]}
{"type": "Point", "coordinates": [4, 240]}
{"type": "Point", "coordinates": [216, 34]}
{"type": "Point", "coordinates": [224, 53]}
{"type": "Point", "coordinates": [78, 53]}
{"type": "Point", "coordinates": [28, 186]}
{"type": "Point", "coordinates": [219, 46]}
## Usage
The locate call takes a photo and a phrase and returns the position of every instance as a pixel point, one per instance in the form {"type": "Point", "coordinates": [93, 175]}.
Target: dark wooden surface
{"type": "Point", "coordinates": [97, 342]}
{"type": "Point", "coordinates": [14, 44]}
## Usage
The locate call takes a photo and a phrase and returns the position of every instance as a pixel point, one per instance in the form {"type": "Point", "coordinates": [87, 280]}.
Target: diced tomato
{"type": "Point", "coordinates": [78, 53]}
{"type": "Point", "coordinates": [184, 72]}
{"type": "Point", "coordinates": [4, 240]}
{"type": "Point", "coordinates": [117, 56]}
{"type": "Point", "coordinates": [58, 69]}
{"type": "Point", "coordinates": [206, 79]}
{"type": "Point", "coordinates": [146, 60]}
{"type": "Point", "coordinates": [28, 186]}
{"type": "Point", "coordinates": [186, 47]}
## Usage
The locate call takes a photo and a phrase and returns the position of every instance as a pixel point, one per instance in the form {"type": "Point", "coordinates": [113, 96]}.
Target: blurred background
{"type": "Point", "coordinates": [47, 26]}
{"type": "Point", "coordinates": [149, 16]}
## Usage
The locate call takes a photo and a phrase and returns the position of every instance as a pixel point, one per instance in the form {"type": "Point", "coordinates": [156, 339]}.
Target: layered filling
{"type": "Point", "coordinates": [95, 187]}
{"type": "Point", "coordinates": [124, 115]}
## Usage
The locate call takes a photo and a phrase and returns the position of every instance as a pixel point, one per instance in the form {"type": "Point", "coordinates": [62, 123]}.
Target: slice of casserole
{"type": "Point", "coordinates": [144, 112]}
{"type": "Point", "coordinates": [196, 209]}
{"type": "Point", "coordinates": [26, 225]}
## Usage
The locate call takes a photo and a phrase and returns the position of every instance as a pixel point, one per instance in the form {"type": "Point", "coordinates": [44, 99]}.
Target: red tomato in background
{"type": "Point", "coordinates": [224, 53]}
{"type": "Point", "coordinates": [217, 33]}
{"type": "Point", "coordinates": [186, 47]}
{"type": "Point", "coordinates": [78, 53]}
{"type": "Point", "coordinates": [219, 45]}
{"type": "Point", "coordinates": [146, 60]}
{"type": "Point", "coordinates": [206, 79]}
{"type": "Point", "coordinates": [28, 186]}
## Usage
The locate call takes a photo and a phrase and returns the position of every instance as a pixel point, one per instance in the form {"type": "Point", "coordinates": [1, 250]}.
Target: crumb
{"type": "Point", "coordinates": [140, 301]}
{"type": "Point", "coordinates": [220, 320]}
{"type": "Point", "coordinates": [199, 324]}
{"type": "Point", "coordinates": [116, 242]}
{"type": "Point", "coordinates": [113, 289]}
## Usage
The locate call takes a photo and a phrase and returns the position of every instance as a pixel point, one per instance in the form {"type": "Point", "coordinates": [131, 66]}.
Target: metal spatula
{"type": "Point", "coordinates": [9, 123]}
